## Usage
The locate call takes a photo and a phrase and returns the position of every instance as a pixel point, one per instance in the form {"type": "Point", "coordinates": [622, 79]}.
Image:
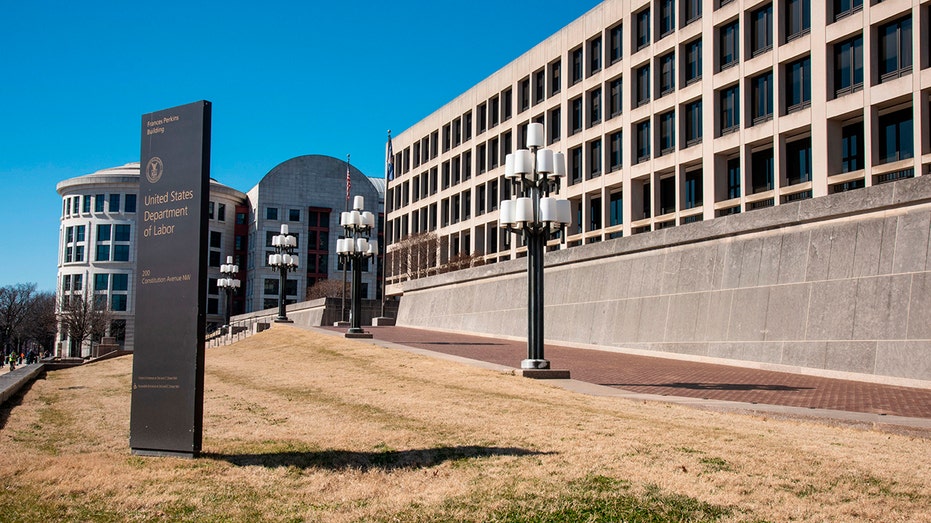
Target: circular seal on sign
{"type": "Point", "coordinates": [153, 170]}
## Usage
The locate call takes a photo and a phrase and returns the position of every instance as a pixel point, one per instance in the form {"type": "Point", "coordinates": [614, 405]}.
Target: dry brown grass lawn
{"type": "Point", "coordinates": [300, 426]}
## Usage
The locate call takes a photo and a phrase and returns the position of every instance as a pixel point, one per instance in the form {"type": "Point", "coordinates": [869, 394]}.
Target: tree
{"type": "Point", "coordinates": [416, 255]}
{"type": "Point", "coordinates": [16, 302]}
{"type": "Point", "coordinates": [83, 318]}
{"type": "Point", "coordinates": [327, 289]}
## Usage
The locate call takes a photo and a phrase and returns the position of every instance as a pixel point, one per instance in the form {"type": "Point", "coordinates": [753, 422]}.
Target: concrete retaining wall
{"type": "Point", "coordinates": [836, 285]}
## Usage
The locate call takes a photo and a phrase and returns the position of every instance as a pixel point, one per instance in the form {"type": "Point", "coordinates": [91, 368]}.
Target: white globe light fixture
{"type": "Point", "coordinates": [230, 284]}
{"type": "Point", "coordinates": [353, 248]}
{"type": "Point", "coordinates": [283, 261]}
{"type": "Point", "coordinates": [534, 173]}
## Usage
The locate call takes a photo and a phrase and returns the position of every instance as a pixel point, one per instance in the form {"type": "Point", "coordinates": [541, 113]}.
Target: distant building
{"type": "Point", "coordinates": [97, 238]}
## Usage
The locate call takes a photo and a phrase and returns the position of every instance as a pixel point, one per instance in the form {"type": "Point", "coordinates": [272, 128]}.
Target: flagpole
{"type": "Point", "coordinates": [342, 309]}
{"type": "Point", "coordinates": [384, 236]}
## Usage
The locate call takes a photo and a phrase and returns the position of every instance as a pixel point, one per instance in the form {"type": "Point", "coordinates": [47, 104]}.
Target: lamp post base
{"type": "Point", "coordinates": [358, 333]}
{"type": "Point", "coordinates": [535, 364]}
{"type": "Point", "coordinates": [283, 320]}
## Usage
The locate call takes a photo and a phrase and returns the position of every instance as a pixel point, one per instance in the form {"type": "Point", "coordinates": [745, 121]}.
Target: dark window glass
{"type": "Point", "coordinates": [693, 189]}
{"type": "Point", "coordinates": [895, 49]}
{"type": "Point", "coordinates": [730, 45]}
{"type": "Point", "coordinates": [101, 281]}
{"type": "Point", "coordinates": [730, 109]}
{"type": "Point", "coordinates": [798, 18]}
{"type": "Point", "coordinates": [121, 253]}
{"type": "Point", "coordinates": [216, 239]}
{"type": "Point", "coordinates": [616, 159]}
{"type": "Point", "coordinates": [667, 132]}
{"type": "Point", "coordinates": [667, 74]}
{"type": "Point", "coordinates": [617, 43]}
{"type": "Point", "coordinates": [643, 85]}
{"type": "Point", "coordinates": [594, 107]}
{"type": "Point", "coordinates": [576, 115]}
{"type": "Point", "coordinates": [643, 141]}
{"type": "Point", "coordinates": [214, 259]}
{"type": "Point", "coordinates": [114, 203]}
{"type": "Point", "coordinates": [86, 200]}
{"type": "Point", "coordinates": [294, 215]}
{"type": "Point", "coordinates": [896, 136]}
{"type": "Point", "coordinates": [733, 178]}
{"type": "Point", "coordinates": [121, 232]}
{"type": "Point", "coordinates": [762, 170]}
{"type": "Point", "coordinates": [103, 253]}
{"type": "Point", "coordinates": [576, 66]}
{"type": "Point", "coordinates": [852, 147]}
{"type": "Point", "coordinates": [798, 161]}
{"type": "Point", "coordinates": [692, 61]}
{"type": "Point", "coordinates": [555, 83]}
{"type": "Point", "coordinates": [575, 157]}
{"type": "Point", "coordinates": [79, 233]}
{"type": "Point", "coordinates": [643, 29]}
{"type": "Point", "coordinates": [103, 233]}
{"type": "Point", "coordinates": [848, 66]}
{"type": "Point", "coordinates": [761, 30]}
{"type": "Point", "coordinates": [118, 302]}
{"type": "Point", "coordinates": [614, 101]}
{"type": "Point", "coordinates": [555, 124]}
{"type": "Point", "coordinates": [843, 8]}
{"type": "Point", "coordinates": [616, 208]}
{"type": "Point", "coordinates": [594, 55]}
{"type": "Point", "coordinates": [130, 203]}
{"type": "Point", "coordinates": [798, 84]}
{"type": "Point", "coordinates": [120, 282]}
{"type": "Point", "coordinates": [693, 123]}
{"type": "Point", "coordinates": [667, 17]}
{"type": "Point", "coordinates": [762, 103]}
{"type": "Point", "coordinates": [667, 195]}
{"type": "Point", "coordinates": [594, 158]}
{"type": "Point", "coordinates": [271, 213]}
{"type": "Point", "coordinates": [98, 202]}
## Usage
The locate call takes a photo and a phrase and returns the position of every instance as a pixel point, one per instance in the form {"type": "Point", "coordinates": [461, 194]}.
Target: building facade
{"type": "Point", "coordinates": [677, 111]}
{"type": "Point", "coordinates": [97, 239]}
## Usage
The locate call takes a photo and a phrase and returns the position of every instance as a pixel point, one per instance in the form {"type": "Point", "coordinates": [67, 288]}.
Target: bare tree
{"type": "Point", "coordinates": [16, 303]}
{"type": "Point", "coordinates": [84, 318]}
{"type": "Point", "coordinates": [415, 256]}
{"type": "Point", "coordinates": [327, 289]}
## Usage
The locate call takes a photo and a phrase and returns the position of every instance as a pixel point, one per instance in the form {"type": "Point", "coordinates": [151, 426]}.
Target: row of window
{"type": "Point", "coordinates": [98, 203]}
{"type": "Point", "coordinates": [116, 285]}
{"type": "Point", "coordinates": [111, 243]}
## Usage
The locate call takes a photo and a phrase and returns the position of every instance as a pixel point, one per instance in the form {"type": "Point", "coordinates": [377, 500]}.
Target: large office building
{"type": "Point", "coordinates": [97, 238]}
{"type": "Point", "coordinates": [676, 111]}
{"type": "Point", "coordinates": [748, 182]}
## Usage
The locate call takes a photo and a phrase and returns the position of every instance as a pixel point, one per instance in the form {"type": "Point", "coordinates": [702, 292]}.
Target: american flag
{"type": "Point", "coordinates": [389, 161]}
{"type": "Point", "coordinates": [348, 180]}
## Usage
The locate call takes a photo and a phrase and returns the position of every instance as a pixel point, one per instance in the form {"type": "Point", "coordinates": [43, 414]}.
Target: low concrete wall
{"type": "Point", "coordinates": [13, 382]}
{"type": "Point", "coordinates": [837, 285]}
{"type": "Point", "coordinates": [317, 313]}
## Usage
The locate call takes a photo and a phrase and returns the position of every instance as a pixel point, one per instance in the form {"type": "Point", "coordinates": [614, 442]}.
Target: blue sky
{"type": "Point", "coordinates": [285, 79]}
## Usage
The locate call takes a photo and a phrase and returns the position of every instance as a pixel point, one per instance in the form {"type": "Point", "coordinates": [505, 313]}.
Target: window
{"type": "Point", "coordinates": [271, 286]}
{"type": "Point", "coordinates": [693, 189]}
{"type": "Point", "coordinates": [576, 116]}
{"type": "Point", "coordinates": [643, 141]}
{"type": "Point", "coordinates": [667, 195]}
{"type": "Point", "coordinates": [667, 74]}
{"type": "Point", "coordinates": [523, 97]}
{"type": "Point", "coordinates": [114, 203]}
{"type": "Point", "coordinates": [798, 18]}
{"type": "Point", "coordinates": [895, 136]}
{"type": "Point", "coordinates": [729, 45]}
{"type": "Point", "coordinates": [798, 84]}
{"type": "Point", "coordinates": [555, 78]}
{"type": "Point", "coordinates": [643, 29]}
{"type": "Point", "coordinates": [271, 213]}
{"type": "Point", "coordinates": [615, 106]}
{"type": "Point", "coordinates": [843, 8]}
{"type": "Point", "coordinates": [575, 164]}
{"type": "Point", "coordinates": [98, 203]}
{"type": "Point", "coordinates": [120, 282]}
{"type": "Point", "coordinates": [667, 132]}
{"type": "Point", "coordinates": [762, 101]}
{"type": "Point", "coordinates": [798, 161]}
{"type": "Point", "coordinates": [210, 208]}
{"type": "Point", "coordinates": [617, 43]}
{"type": "Point", "coordinates": [693, 123]}
{"type": "Point", "coordinates": [216, 239]}
{"type": "Point", "coordinates": [643, 85]}
{"type": "Point", "coordinates": [594, 56]}
{"type": "Point", "coordinates": [848, 66]}
{"type": "Point", "coordinates": [100, 282]}
{"type": "Point", "coordinates": [692, 10]}
{"type": "Point", "coordinates": [667, 17]}
{"type": "Point", "coordinates": [730, 109]}
{"type": "Point", "coordinates": [118, 302]}
{"type": "Point", "coordinates": [761, 30]}
{"type": "Point", "coordinates": [852, 147]}
{"type": "Point", "coordinates": [76, 201]}
{"type": "Point", "coordinates": [294, 215]}
{"type": "Point", "coordinates": [762, 170]}
{"type": "Point", "coordinates": [79, 233]}
{"type": "Point", "coordinates": [594, 158]}
{"type": "Point", "coordinates": [131, 203]}
{"type": "Point", "coordinates": [86, 203]}
{"type": "Point", "coordinates": [594, 214]}
{"type": "Point", "coordinates": [594, 107]}
{"type": "Point", "coordinates": [103, 233]}
{"type": "Point", "coordinates": [895, 49]}
{"type": "Point", "coordinates": [616, 208]}
{"type": "Point", "coordinates": [616, 158]}
{"type": "Point", "coordinates": [555, 124]}
{"type": "Point", "coordinates": [78, 282]}
{"type": "Point", "coordinates": [576, 57]}
{"type": "Point", "coordinates": [692, 61]}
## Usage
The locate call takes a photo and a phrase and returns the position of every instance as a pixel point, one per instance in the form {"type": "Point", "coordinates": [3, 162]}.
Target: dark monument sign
{"type": "Point", "coordinates": [171, 286]}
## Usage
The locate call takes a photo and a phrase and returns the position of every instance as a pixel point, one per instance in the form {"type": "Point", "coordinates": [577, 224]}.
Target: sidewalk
{"type": "Point", "coordinates": [708, 385]}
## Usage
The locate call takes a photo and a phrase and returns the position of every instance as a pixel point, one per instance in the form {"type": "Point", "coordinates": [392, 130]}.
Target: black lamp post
{"type": "Point", "coordinates": [229, 283]}
{"type": "Point", "coordinates": [357, 227]}
{"type": "Point", "coordinates": [283, 261]}
{"type": "Point", "coordinates": [534, 173]}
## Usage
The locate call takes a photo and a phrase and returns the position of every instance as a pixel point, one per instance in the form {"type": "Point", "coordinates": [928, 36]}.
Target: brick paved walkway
{"type": "Point", "coordinates": [668, 377]}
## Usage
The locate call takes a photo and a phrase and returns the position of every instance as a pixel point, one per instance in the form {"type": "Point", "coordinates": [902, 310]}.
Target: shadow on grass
{"type": "Point", "coordinates": [714, 386]}
{"type": "Point", "coordinates": [376, 460]}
